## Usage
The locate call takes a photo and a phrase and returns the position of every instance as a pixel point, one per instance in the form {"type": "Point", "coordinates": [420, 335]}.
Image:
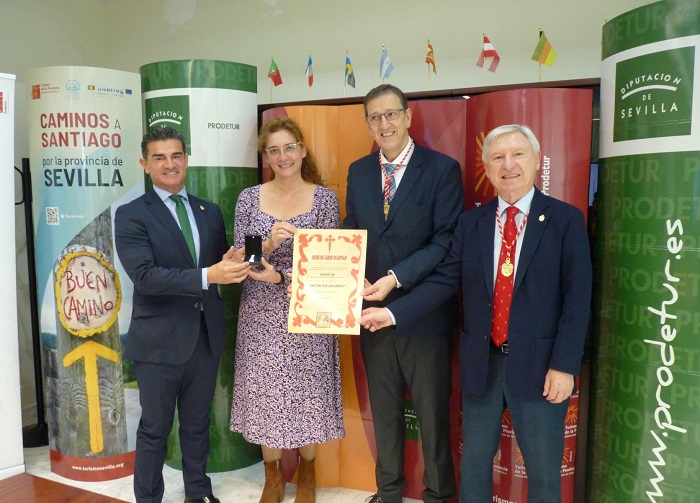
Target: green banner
{"type": "Point", "coordinates": [645, 395]}
{"type": "Point", "coordinates": [198, 73]}
{"type": "Point", "coordinates": [214, 105]}
{"type": "Point", "coordinates": [650, 24]}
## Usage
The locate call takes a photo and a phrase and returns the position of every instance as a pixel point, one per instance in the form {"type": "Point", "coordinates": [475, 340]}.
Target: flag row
{"type": "Point", "coordinates": [543, 54]}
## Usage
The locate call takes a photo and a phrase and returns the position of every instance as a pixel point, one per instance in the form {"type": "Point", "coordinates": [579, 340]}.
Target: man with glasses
{"type": "Point", "coordinates": [408, 198]}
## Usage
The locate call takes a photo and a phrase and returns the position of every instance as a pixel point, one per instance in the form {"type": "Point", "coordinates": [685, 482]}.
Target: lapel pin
{"type": "Point", "coordinates": [202, 208]}
{"type": "Point", "coordinates": [541, 218]}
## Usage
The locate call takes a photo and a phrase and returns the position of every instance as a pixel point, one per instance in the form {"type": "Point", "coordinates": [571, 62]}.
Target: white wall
{"type": "Point", "coordinates": [125, 34]}
{"type": "Point", "coordinates": [252, 31]}
{"type": "Point", "coordinates": [10, 419]}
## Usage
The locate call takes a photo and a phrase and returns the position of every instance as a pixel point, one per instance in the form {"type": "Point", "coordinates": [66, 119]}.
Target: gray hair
{"type": "Point", "coordinates": [509, 128]}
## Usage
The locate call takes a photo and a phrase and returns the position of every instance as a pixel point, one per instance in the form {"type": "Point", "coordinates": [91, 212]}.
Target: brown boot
{"type": "Point", "coordinates": [306, 487]}
{"type": "Point", "coordinates": [273, 492]}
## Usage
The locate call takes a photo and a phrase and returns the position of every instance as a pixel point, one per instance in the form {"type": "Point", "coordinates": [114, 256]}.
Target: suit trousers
{"type": "Point", "coordinates": [539, 430]}
{"type": "Point", "coordinates": [421, 363]}
{"type": "Point", "coordinates": [162, 387]}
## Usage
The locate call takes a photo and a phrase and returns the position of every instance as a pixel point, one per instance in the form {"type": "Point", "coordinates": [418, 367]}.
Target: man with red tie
{"type": "Point", "coordinates": [523, 264]}
{"type": "Point", "coordinates": [408, 198]}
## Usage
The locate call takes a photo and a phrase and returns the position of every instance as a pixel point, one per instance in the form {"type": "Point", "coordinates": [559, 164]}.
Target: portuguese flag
{"type": "Point", "coordinates": [274, 73]}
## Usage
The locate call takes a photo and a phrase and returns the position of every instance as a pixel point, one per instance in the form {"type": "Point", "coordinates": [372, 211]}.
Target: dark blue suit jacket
{"type": "Point", "coordinates": [417, 233]}
{"type": "Point", "coordinates": [168, 298]}
{"type": "Point", "coordinates": [551, 295]}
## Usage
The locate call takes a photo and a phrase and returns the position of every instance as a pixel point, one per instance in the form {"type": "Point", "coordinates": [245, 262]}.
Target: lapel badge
{"type": "Point", "coordinates": [202, 208]}
{"type": "Point", "coordinates": [541, 218]}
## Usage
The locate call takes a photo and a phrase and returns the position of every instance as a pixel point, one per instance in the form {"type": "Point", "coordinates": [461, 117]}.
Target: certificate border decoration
{"type": "Point", "coordinates": [340, 323]}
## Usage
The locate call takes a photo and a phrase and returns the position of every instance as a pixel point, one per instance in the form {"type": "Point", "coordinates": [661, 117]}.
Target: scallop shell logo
{"type": "Point", "coordinates": [73, 86]}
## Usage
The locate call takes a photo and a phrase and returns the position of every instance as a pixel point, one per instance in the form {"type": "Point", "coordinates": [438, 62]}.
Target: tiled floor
{"type": "Point", "coordinates": [240, 486]}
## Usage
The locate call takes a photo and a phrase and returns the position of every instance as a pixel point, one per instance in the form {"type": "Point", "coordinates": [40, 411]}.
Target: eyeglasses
{"type": "Point", "coordinates": [289, 148]}
{"type": "Point", "coordinates": [390, 115]}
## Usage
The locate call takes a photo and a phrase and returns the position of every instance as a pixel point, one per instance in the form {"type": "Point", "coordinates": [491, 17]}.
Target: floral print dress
{"type": "Point", "coordinates": [287, 389]}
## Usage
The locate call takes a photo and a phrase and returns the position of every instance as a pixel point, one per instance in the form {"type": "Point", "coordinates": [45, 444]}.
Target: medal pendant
{"type": "Point", "coordinates": [386, 210]}
{"type": "Point", "coordinates": [507, 268]}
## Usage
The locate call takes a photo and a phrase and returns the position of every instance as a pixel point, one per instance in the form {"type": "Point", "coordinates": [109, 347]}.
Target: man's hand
{"type": "Point", "coordinates": [558, 386]}
{"type": "Point", "coordinates": [235, 255]}
{"type": "Point", "coordinates": [374, 318]}
{"type": "Point", "coordinates": [231, 269]}
{"type": "Point", "coordinates": [380, 289]}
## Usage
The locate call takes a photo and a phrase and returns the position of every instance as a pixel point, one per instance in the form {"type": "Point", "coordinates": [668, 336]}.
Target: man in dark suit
{"type": "Point", "coordinates": [175, 258]}
{"type": "Point", "coordinates": [408, 198]}
{"type": "Point", "coordinates": [544, 316]}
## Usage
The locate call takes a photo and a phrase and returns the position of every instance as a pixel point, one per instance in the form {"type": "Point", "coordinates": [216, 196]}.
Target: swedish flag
{"type": "Point", "coordinates": [349, 72]}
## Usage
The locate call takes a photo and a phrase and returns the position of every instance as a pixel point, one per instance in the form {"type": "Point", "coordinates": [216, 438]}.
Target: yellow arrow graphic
{"type": "Point", "coordinates": [89, 352]}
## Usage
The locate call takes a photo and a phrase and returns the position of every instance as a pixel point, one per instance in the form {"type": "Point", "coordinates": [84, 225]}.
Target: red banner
{"type": "Point", "coordinates": [92, 469]}
{"type": "Point", "coordinates": [561, 120]}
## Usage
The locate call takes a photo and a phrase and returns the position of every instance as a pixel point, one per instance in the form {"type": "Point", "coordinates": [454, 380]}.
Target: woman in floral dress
{"type": "Point", "coordinates": [287, 390]}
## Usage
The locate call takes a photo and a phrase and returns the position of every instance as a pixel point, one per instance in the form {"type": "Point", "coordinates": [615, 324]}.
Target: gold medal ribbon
{"type": "Point", "coordinates": [507, 267]}
{"type": "Point", "coordinates": [389, 177]}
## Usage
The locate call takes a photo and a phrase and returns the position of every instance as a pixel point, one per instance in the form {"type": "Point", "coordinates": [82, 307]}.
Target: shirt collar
{"type": "Point", "coordinates": [523, 204]}
{"type": "Point", "coordinates": [401, 154]}
{"type": "Point", "coordinates": [165, 195]}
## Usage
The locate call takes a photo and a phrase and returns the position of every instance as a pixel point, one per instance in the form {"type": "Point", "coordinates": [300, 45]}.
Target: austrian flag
{"type": "Point", "coordinates": [488, 52]}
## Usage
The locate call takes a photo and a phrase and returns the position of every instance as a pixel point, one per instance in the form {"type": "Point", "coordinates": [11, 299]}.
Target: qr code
{"type": "Point", "coordinates": [52, 215]}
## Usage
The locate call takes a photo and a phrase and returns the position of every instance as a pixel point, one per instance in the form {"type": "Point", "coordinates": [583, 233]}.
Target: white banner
{"type": "Point", "coordinates": [11, 457]}
{"type": "Point", "coordinates": [85, 131]}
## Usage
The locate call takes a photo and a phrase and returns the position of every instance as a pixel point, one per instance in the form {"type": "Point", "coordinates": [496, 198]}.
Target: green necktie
{"type": "Point", "coordinates": [184, 224]}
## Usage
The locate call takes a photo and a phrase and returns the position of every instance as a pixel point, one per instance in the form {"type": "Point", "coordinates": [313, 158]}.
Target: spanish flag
{"type": "Point", "coordinates": [430, 58]}
{"type": "Point", "coordinates": [544, 52]}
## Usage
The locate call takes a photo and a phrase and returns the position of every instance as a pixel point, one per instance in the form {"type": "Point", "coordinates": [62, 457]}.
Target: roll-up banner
{"type": "Point", "coordinates": [11, 458]}
{"type": "Point", "coordinates": [645, 417]}
{"type": "Point", "coordinates": [561, 121]}
{"type": "Point", "coordinates": [214, 105]}
{"type": "Point", "coordinates": [84, 136]}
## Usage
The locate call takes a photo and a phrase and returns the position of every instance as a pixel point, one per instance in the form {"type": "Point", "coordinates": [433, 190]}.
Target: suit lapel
{"type": "Point", "coordinates": [374, 194]}
{"type": "Point", "coordinates": [162, 214]}
{"type": "Point", "coordinates": [537, 220]}
{"type": "Point", "coordinates": [487, 231]}
{"type": "Point", "coordinates": [408, 180]}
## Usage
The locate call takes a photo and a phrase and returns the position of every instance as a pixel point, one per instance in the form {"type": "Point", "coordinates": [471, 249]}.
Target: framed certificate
{"type": "Point", "coordinates": [328, 276]}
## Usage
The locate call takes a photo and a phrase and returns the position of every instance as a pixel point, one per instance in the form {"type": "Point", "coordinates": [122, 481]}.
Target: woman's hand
{"type": "Point", "coordinates": [280, 231]}
{"type": "Point", "coordinates": [268, 273]}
